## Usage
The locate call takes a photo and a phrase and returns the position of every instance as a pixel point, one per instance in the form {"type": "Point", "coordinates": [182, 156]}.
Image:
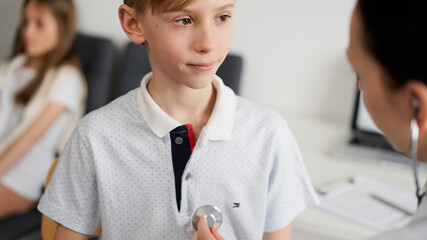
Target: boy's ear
{"type": "Point", "coordinates": [418, 93]}
{"type": "Point", "coordinates": [130, 24]}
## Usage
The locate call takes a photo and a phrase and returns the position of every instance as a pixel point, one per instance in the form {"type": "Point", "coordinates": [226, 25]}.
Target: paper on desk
{"type": "Point", "coordinates": [353, 200]}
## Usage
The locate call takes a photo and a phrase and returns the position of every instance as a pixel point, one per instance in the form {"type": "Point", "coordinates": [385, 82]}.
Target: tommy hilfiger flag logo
{"type": "Point", "coordinates": [236, 205]}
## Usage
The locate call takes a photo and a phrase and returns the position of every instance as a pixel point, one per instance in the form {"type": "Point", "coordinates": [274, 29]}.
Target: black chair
{"type": "Point", "coordinates": [136, 65]}
{"type": "Point", "coordinates": [21, 225]}
{"type": "Point", "coordinates": [96, 56]}
{"type": "Point", "coordinates": [230, 72]}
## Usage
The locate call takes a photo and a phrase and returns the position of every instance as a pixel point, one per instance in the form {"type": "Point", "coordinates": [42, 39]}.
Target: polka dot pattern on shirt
{"type": "Point", "coordinates": [116, 170]}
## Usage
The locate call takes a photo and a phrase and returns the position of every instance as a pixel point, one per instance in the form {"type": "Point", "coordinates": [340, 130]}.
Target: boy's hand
{"type": "Point", "coordinates": [204, 233]}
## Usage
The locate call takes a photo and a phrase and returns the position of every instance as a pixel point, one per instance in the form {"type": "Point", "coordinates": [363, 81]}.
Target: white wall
{"type": "Point", "coordinates": [295, 55]}
{"type": "Point", "coordinates": [9, 18]}
{"type": "Point", "coordinates": [294, 50]}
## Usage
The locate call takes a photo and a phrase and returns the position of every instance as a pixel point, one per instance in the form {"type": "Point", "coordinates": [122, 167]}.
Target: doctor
{"type": "Point", "coordinates": [388, 50]}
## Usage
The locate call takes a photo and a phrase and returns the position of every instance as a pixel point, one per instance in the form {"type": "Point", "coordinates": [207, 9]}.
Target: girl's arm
{"type": "Point", "coordinates": [21, 146]}
{"type": "Point", "coordinates": [282, 234]}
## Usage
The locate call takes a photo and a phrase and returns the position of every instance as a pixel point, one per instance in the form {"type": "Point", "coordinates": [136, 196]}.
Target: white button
{"type": "Point", "coordinates": [179, 140]}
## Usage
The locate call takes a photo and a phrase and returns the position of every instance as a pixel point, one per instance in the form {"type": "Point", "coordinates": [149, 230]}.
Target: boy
{"type": "Point", "coordinates": [144, 163]}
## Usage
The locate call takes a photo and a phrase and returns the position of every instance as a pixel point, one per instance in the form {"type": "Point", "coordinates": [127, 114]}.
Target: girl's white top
{"type": "Point", "coordinates": [64, 86]}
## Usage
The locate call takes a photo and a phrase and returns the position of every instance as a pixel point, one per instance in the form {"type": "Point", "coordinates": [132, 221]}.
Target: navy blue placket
{"type": "Point", "coordinates": [182, 144]}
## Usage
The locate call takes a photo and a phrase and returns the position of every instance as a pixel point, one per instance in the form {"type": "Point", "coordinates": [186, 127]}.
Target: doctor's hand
{"type": "Point", "coordinates": [204, 233]}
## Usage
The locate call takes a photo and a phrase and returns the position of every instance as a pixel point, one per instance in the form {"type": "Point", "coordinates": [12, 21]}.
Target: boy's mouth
{"type": "Point", "coordinates": [204, 67]}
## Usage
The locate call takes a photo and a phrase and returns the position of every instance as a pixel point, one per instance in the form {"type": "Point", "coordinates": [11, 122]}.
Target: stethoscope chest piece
{"type": "Point", "coordinates": [212, 214]}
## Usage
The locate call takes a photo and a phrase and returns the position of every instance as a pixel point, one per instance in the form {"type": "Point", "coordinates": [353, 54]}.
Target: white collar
{"type": "Point", "coordinates": [218, 127]}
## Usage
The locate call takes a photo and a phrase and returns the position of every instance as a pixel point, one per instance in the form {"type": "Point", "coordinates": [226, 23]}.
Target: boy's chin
{"type": "Point", "coordinates": [199, 85]}
{"type": "Point", "coordinates": [200, 82]}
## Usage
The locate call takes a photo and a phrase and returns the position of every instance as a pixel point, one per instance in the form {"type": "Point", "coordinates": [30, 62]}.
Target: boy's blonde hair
{"type": "Point", "coordinates": [157, 5]}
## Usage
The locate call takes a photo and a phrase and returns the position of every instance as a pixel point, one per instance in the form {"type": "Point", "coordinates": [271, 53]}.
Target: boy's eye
{"type": "Point", "coordinates": [223, 18]}
{"type": "Point", "coordinates": [184, 21]}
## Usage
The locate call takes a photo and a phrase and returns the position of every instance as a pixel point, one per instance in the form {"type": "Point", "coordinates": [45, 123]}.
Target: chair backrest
{"type": "Point", "coordinates": [230, 72]}
{"type": "Point", "coordinates": [96, 56]}
{"type": "Point", "coordinates": [136, 65]}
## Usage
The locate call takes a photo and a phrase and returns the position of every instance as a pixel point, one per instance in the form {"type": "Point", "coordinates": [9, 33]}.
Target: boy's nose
{"type": "Point", "coordinates": [205, 40]}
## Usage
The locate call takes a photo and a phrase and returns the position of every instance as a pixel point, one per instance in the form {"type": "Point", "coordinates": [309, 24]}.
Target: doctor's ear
{"type": "Point", "coordinates": [418, 93]}
{"type": "Point", "coordinates": [130, 24]}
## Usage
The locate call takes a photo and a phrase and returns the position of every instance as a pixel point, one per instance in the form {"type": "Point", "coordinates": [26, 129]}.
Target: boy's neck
{"type": "Point", "coordinates": [184, 104]}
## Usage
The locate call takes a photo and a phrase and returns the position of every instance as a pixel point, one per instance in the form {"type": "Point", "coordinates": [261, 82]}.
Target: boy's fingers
{"type": "Point", "coordinates": [202, 229]}
{"type": "Point", "coordinates": [216, 234]}
{"type": "Point", "coordinates": [195, 237]}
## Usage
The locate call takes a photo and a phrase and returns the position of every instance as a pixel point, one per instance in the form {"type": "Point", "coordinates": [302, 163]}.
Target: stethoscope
{"type": "Point", "coordinates": [212, 214]}
{"type": "Point", "coordinates": [414, 149]}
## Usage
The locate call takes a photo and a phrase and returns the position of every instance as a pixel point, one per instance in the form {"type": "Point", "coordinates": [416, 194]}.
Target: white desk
{"type": "Point", "coordinates": [317, 138]}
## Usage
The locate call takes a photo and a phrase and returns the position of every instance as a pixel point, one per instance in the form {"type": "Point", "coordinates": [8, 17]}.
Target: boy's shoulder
{"type": "Point", "coordinates": [122, 110]}
{"type": "Point", "coordinates": [262, 121]}
{"type": "Point", "coordinates": [249, 111]}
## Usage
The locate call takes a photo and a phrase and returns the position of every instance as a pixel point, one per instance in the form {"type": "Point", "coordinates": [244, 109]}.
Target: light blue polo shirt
{"type": "Point", "coordinates": [117, 167]}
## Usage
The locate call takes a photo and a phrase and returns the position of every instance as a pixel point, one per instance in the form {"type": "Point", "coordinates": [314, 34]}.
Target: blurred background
{"type": "Point", "coordinates": [293, 51]}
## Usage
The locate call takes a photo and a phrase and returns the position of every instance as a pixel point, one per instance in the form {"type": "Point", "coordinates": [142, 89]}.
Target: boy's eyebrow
{"type": "Point", "coordinates": [225, 7]}
{"type": "Point", "coordinates": [231, 5]}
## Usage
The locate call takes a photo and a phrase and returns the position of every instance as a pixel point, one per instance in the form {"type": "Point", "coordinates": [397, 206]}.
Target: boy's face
{"type": "Point", "coordinates": [188, 46]}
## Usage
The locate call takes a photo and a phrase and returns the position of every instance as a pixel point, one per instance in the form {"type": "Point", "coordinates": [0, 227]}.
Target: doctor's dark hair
{"type": "Point", "coordinates": [65, 16]}
{"type": "Point", "coordinates": [395, 34]}
{"type": "Point", "coordinates": [157, 5]}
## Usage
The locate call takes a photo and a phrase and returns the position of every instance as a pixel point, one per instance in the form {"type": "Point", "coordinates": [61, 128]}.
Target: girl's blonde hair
{"type": "Point", "coordinates": [65, 16]}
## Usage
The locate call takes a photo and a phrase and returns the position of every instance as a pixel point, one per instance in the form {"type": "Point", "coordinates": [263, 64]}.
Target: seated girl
{"type": "Point", "coordinates": [42, 95]}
